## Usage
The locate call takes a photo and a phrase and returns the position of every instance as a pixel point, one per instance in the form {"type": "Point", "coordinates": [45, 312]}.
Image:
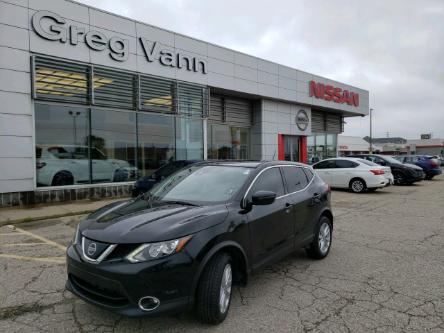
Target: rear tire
{"type": "Point", "coordinates": [62, 178]}
{"type": "Point", "coordinates": [357, 185]}
{"type": "Point", "coordinates": [214, 291]}
{"type": "Point", "coordinates": [320, 247]}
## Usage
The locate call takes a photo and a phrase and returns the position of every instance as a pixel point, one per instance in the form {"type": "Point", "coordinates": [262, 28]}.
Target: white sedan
{"type": "Point", "coordinates": [354, 173]}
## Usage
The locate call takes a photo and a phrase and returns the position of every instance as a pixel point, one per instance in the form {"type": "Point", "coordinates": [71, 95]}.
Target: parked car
{"type": "Point", "coordinates": [402, 173]}
{"type": "Point", "coordinates": [430, 167]}
{"type": "Point", "coordinates": [58, 165]}
{"type": "Point", "coordinates": [144, 184]}
{"type": "Point", "coordinates": [355, 174]}
{"type": "Point", "coordinates": [196, 234]}
{"type": "Point", "coordinates": [439, 159]}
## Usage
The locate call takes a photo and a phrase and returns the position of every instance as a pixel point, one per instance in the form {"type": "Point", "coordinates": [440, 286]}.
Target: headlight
{"type": "Point", "coordinates": [76, 238]}
{"type": "Point", "coordinates": [157, 250]}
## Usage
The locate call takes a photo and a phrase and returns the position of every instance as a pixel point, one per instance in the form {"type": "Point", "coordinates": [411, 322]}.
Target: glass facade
{"type": "Point", "coordinates": [321, 146]}
{"type": "Point", "coordinates": [90, 145]}
{"type": "Point", "coordinates": [228, 142]}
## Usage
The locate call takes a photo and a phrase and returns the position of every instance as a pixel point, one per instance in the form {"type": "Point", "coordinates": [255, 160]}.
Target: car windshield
{"type": "Point", "coordinates": [202, 184]}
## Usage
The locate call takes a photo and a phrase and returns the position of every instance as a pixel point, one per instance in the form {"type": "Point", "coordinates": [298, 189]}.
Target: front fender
{"type": "Point", "coordinates": [215, 249]}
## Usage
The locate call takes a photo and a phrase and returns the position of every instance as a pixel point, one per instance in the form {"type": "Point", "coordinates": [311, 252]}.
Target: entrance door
{"type": "Point", "coordinates": [291, 148]}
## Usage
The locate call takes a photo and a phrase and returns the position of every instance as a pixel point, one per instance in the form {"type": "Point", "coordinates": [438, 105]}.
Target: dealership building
{"type": "Point", "coordinates": [90, 101]}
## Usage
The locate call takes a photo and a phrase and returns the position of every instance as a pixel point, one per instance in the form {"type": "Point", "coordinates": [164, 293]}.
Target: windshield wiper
{"type": "Point", "coordinates": [180, 202]}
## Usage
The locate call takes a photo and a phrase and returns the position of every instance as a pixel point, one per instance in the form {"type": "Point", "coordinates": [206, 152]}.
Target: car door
{"type": "Point", "coordinates": [323, 169]}
{"type": "Point", "coordinates": [102, 168]}
{"type": "Point", "coordinates": [270, 226]}
{"type": "Point", "coordinates": [343, 172]}
{"type": "Point", "coordinates": [300, 202]}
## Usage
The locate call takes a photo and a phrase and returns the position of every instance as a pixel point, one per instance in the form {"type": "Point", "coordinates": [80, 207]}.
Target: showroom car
{"type": "Point", "coordinates": [356, 174]}
{"type": "Point", "coordinates": [59, 165]}
{"type": "Point", "coordinates": [402, 173]}
{"type": "Point", "coordinates": [428, 164]}
{"type": "Point", "coordinates": [205, 228]}
{"type": "Point", "coordinates": [144, 184]}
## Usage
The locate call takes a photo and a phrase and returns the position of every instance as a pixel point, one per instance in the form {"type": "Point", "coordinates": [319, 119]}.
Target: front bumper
{"type": "Point", "coordinates": [118, 285]}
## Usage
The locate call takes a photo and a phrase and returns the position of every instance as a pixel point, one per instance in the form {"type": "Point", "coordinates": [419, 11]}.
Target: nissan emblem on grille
{"type": "Point", "coordinates": [92, 248]}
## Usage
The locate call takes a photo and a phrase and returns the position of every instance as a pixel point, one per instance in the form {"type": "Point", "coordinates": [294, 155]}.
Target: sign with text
{"type": "Point", "coordinates": [52, 26]}
{"type": "Point", "coordinates": [331, 93]}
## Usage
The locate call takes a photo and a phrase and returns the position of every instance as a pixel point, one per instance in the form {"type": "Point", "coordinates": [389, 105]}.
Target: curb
{"type": "Point", "coordinates": [32, 219]}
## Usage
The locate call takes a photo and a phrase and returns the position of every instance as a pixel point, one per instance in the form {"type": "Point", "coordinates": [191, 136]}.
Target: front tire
{"type": "Point", "coordinates": [357, 185]}
{"type": "Point", "coordinates": [399, 178]}
{"type": "Point", "coordinates": [214, 290]}
{"type": "Point", "coordinates": [320, 247]}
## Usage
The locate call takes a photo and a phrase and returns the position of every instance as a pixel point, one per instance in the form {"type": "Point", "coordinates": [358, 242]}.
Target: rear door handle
{"type": "Point", "coordinates": [287, 204]}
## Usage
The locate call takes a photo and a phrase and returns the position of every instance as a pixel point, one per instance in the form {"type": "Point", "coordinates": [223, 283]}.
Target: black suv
{"type": "Point", "coordinates": [201, 230]}
{"type": "Point", "coordinates": [402, 173]}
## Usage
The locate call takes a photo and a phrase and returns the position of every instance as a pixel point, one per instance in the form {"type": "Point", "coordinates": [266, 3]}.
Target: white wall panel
{"type": "Point", "coordinates": [17, 103]}
{"type": "Point", "coordinates": [16, 146]}
{"type": "Point", "coordinates": [16, 16]}
{"type": "Point", "coordinates": [13, 124]}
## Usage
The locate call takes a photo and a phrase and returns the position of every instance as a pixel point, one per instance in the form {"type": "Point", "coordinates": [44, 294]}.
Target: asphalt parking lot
{"type": "Point", "coordinates": [385, 273]}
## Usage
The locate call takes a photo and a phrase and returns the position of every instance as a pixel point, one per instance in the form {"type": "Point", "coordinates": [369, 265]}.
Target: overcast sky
{"type": "Point", "coordinates": [392, 48]}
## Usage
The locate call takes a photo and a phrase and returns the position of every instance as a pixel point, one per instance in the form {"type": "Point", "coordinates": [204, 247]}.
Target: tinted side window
{"type": "Point", "coordinates": [295, 178]}
{"type": "Point", "coordinates": [346, 164]}
{"type": "Point", "coordinates": [269, 180]}
{"type": "Point", "coordinates": [324, 165]}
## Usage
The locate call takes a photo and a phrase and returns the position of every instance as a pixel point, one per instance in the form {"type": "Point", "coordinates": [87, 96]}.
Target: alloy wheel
{"type": "Point", "coordinates": [324, 238]}
{"type": "Point", "coordinates": [357, 186]}
{"type": "Point", "coordinates": [225, 289]}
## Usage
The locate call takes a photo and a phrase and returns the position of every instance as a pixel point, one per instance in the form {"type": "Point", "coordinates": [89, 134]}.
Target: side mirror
{"type": "Point", "coordinates": [263, 198]}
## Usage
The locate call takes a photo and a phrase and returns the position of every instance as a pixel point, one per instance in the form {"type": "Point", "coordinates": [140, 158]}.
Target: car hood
{"type": "Point", "coordinates": [139, 221]}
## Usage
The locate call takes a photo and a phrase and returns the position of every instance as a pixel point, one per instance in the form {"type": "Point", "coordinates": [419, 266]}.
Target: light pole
{"type": "Point", "coordinates": [371, 137]}
{"type": "Point", "coordinates": [74, 124]}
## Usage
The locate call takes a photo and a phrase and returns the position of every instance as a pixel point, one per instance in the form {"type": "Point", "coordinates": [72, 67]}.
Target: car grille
{"type": "Point", "coordinates": [104, 295]}
{"type": "Point", "coordinates": [121, 251]}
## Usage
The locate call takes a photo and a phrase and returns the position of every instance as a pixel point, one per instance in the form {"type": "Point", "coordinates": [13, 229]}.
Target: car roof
{"type": "Point", "coordinates": [341, 158]}
{"type": "Point", "coordinates": [249, 163]}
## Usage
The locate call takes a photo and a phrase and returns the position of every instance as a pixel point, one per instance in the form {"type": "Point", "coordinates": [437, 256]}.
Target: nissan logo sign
{"type": "Point", "coordinates": [92, 248]}
{"type": "Point", "coordinates": [302, 120]}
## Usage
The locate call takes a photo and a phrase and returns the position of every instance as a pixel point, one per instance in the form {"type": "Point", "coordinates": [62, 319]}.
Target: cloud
{"type": "Point", "coordinates": [392, 48]}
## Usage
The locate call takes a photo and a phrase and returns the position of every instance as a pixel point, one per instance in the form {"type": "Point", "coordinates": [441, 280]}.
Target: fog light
{"type": "Point", "coordinates": [148, 303]}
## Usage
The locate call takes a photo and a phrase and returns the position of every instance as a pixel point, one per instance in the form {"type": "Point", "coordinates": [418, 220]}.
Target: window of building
{"type": "Point", "coordinates": [61, 81]}
{"type": "Point", "coordinates": [321, 146]}
{"type": "Point", "coordinates": [120, 134]}
{"type": "Point", "coordinates": [62, 148]}
{"type": "Point", "coordinates": [228, 142]}
{"type": "Point", "coordinates": [156, 142]}
{"type": "Point", "coordinates": [113, 146]}
{"type": "Point", "coordinates": [189, 138]}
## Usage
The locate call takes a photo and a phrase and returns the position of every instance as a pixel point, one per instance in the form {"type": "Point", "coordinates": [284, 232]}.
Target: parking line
{"type": "Point", "coordinates": [43, 239]}
{"type": "Point", "coordinates": [11, 234]}
{"type": "Point", "coordinates": [21, 244]}
{"type": "Point", "coordinates": [54, 260]}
